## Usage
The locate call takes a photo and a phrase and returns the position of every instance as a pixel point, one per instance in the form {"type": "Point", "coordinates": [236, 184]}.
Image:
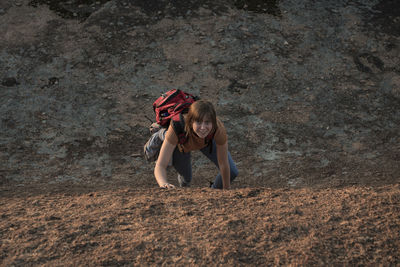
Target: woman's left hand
{"type": "Point", "coordinates": [223, 162]}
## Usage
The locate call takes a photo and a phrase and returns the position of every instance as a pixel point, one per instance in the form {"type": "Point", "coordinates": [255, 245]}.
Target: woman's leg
{"type": "Point", "coordinates": [213, 157]}
{"type": "Point", "coordinates": [183, 165]}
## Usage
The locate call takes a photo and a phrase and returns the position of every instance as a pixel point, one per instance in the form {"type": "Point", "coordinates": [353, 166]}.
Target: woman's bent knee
{"type": "Point", "coordinates": [234, 173]}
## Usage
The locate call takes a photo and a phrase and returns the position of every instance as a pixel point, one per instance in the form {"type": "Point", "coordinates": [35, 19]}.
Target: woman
{"type": "Point", "coordinates": [200, 123]}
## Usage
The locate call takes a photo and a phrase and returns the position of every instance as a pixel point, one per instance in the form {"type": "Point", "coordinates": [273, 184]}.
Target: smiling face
{"type": "Point", "coordinates": [202, 128]}
{"type": "Point", "coordinates": [201, 119]}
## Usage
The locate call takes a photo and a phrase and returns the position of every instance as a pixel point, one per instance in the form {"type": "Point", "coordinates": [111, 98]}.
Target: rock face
{"type": "Point", "coordinates": [308, 91]}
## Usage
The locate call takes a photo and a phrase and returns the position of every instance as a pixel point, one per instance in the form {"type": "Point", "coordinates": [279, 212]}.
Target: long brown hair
{"type": "Point", "coordinates": [199, 111]}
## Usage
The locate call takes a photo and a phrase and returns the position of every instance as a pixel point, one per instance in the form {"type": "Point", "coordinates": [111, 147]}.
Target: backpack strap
{"type": "Point", "coordinates": [178, 124]}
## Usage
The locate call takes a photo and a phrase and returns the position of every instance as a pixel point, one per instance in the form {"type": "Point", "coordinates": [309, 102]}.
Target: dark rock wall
{"type": "Point", "coordinates": [309, 91]}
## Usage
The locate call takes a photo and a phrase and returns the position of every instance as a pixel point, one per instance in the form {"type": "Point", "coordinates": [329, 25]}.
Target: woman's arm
{"type": "Point", "coordinates": [223, 162]}
{"type": "Point", "coordinates": [160, 171]}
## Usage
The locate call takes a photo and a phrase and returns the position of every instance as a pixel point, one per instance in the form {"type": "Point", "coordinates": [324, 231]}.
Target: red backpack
{"type": "Point", "coordinates": [170, 106]}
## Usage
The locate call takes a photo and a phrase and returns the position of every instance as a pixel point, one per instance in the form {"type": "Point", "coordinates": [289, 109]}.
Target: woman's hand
{"type": "Point", "coordinates": [160, 171]}
{"type": "Point", "coordinates": [223, 162]}
{"type": "Point", "coordinates": [168, 186]}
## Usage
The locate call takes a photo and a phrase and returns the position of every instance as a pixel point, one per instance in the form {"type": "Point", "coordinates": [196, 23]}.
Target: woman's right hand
{"type": "Point", "coordinates": [168, 186]}
{"type": "Point", "coordinates": [160, 171]}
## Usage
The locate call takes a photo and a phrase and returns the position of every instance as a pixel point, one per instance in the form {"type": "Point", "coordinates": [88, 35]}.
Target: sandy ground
{"type": "Point", "coordinates": [253, 226]}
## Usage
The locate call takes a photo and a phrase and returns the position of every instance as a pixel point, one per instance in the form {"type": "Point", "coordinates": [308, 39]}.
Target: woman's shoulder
{"type": "Point", "coordinates": [220, 123]}
{"type": "Point", "coordinates": [220, 135]}
{"type": "Point", "coordinates": [170, 135]}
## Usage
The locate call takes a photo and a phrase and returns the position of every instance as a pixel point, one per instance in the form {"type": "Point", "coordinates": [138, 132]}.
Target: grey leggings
{"type": "Point", "coordinates": [183, 165]}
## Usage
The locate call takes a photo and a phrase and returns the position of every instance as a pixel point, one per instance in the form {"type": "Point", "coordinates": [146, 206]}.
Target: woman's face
{"type": "Point", "coordinates": [202, 128]}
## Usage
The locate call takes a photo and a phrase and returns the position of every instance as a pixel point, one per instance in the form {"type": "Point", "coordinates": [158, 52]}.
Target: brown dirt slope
{"type": "Point", "coordinates": [254, 226]}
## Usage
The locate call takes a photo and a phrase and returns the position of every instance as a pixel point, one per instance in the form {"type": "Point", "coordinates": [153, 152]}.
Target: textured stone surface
{"type": "Point", "coordinates": [311, 91]}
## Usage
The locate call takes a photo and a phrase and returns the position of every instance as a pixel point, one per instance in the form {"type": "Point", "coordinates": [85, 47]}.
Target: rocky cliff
{"type": "Point", "coordinates": [309, 91]}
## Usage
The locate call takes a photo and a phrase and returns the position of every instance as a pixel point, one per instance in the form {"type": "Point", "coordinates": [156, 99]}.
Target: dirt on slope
{"type": "Point", "coordinates": [257, 226]}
